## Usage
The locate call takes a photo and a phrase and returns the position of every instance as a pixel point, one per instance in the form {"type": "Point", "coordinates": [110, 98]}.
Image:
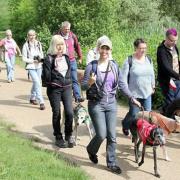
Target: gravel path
{"type": "Point", "coordinates": [30, 121]}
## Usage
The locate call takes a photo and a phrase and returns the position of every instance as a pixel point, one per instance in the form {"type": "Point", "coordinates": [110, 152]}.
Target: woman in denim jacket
{"type": "Point", "coordinates": [103, 111]}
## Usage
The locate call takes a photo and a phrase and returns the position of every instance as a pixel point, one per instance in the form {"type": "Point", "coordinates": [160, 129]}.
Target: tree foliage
{"type": "Point", "coordinates": [89, 19]}
{"type": "Point", "coordinates": [170, 8]}
{"type": "Point", "coordinates": [137, 13]}
{"type": "Point", "coordinates": [23, 17]}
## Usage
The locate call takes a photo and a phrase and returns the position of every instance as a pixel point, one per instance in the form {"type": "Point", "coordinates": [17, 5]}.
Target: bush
{"type": "Point", "coordinates": [137, 13]}
{"type": "Point", "coordinates": [23, 18]}
{"type": "Point", "coordinates": [44, 35]}
{"type": "Point", "coordinates": [89, 19]}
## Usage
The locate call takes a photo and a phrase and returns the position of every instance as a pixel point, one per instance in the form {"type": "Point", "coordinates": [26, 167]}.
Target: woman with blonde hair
{"type": "Point", "coordinates": [57, 77]}
{"type": "Point", "coordinates": [32, 54]}
{"type": "Point", "coordinates": [11, 49]}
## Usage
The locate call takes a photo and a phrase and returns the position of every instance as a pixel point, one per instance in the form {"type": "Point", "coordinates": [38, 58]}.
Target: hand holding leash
{"type": "Point", "coordinates": [136, 102]}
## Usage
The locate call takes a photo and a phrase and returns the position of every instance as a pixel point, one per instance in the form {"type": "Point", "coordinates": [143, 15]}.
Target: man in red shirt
{"type": "Point", "coordinates": [73, 49]}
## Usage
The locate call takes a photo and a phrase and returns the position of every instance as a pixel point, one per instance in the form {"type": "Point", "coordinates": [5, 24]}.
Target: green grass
{"type": "Point", "coordinates": [4, 14]}
{"type": "Point", "coordinates": [19, 160]}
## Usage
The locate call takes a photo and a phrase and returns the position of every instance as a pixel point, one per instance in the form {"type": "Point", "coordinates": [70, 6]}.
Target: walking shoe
{"type": "Point", "coordinates": [34, 102]}
{"type": "Point", "coordinates": [80, 99]}
{"type": "Point", "coordinates": [125, 132]}
{"type": "Point", "coordinates": [60, 142]}
{"type": "Point", "coordinates": [115, 169]}
{"type": "Point", "coordinates": [9, 81]}
{"type": "Point", "coordinates": [70, 141]}
{"type": "Point", "coordinates": [92, 157]}
{"type": "Point", "coordinates": [42, 107]}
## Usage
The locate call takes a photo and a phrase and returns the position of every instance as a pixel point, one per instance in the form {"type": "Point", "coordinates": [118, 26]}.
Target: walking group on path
{"type": "Point", "coordinates": [102, 78]}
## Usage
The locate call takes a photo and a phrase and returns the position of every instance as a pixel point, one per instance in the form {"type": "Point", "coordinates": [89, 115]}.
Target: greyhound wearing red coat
{"type": "Point", "coordinates": [167, 124]}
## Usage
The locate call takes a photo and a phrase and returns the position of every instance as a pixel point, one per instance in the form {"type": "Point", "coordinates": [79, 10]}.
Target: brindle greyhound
{"type": "Point", "coordinates": [150, 135]}
{"type": "Point", "coordinates": [167, 124]}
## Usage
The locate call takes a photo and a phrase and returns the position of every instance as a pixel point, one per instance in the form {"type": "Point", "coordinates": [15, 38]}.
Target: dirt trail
{"type": "Point", "coordinates": [29, 120]}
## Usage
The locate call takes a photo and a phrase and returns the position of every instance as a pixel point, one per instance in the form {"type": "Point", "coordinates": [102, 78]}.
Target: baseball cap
{"type": "Point", "coordinates": [106, 42]}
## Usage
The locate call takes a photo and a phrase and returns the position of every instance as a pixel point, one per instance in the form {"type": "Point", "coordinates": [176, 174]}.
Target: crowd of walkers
{"type": "Point", "coordinates": [102, 78]}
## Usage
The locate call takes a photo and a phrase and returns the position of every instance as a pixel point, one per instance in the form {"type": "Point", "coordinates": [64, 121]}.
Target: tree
{"type": "Point", "coordinates": [89, 19]}
{"type": "Point", "coordinates": [170, 8]}
{"type": "Point", "coordinates": [23, 17]}
{"type": "Point", "coordinates": [137, 13]}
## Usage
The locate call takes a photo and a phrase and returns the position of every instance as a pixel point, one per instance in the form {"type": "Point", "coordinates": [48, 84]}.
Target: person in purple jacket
{"type": "Point", "coordinates": [103, 111]}
{"type": "Point", "coordinates": [73, 48]}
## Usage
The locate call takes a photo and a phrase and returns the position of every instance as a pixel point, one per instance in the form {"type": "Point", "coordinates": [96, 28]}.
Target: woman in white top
{"type": "Point", "coordinates": [32, 54]}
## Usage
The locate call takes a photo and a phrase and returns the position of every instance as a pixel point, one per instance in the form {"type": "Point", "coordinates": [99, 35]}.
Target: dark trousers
{"type": "Point", "coordinates": [171, 94]}
{"type": "Point", "coordinates": [56, 95]}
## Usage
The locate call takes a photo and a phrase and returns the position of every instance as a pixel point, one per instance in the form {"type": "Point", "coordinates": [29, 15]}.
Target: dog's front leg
{"type": "Point", "coordinates": [165, 154]}
{"type": "Point", "coordinates": [143, 154]}
{"type": "Point", "coordinates": [155, 162]}
{"type": "Point", "coordinates": [75, 129]}
{"type": "Point", "coordinates": [88, 127]}
{"type": "Point", "coordinates": [136, 150]}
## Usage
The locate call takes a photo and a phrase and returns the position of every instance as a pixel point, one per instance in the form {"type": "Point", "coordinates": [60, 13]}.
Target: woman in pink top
{"type": "Point", "coordinates": [11, 49]}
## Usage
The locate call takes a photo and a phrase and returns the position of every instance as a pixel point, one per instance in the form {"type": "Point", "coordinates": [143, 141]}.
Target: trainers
{"type": "Point", "coordinates": [92, 157]}
{"type": "Point", "coordinates": [42, 107]}
{"type": "Point", "coordinates": [60, 142]}
{"type": "Point", "coordinates": [34, 102]}
{"type": "Point", "coordinates": [115, 169]}
{"type": "Point", "coordinates": [80, 99]}
{"type": "Point", "coordinates": [125, 132]}
{"type": "Point", "coordinates": [70, 141]}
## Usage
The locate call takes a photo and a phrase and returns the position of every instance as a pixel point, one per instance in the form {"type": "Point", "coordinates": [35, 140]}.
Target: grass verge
{"type": "Point", "coordinates": [19, 160]}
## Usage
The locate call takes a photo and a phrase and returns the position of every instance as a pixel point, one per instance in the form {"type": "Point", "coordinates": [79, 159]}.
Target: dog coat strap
{"type": "Point", "coordinates": [144, 130]}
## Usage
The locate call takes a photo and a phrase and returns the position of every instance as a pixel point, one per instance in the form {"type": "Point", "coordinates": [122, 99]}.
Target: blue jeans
{"type": "Point", "coordinates": [36, 92]}
{"type": "Point", "coordinates": [104, 121]}
{"type": "Point", "coordinates": [133, 110]}
{"type": "Point", "coordinates": [76, 88]}
{"type": "Point", "coordinates": [10, 63]}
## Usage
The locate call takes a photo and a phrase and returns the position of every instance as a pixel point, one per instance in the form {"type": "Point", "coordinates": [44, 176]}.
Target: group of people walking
{"type": "Point", "coordinates": [102, 79]}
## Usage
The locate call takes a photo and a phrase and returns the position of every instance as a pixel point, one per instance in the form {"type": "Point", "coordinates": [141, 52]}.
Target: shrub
{"type": "Point", "coordinates": [44, 35]}
{"type": "Point", "coordinates": [23, 18]}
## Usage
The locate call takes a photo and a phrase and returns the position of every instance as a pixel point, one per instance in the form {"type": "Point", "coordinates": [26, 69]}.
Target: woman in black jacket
{"type": "Point", "coordinates": [57, 76]}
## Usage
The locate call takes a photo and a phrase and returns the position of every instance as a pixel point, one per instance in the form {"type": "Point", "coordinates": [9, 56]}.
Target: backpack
{"type": "Point", "coordinates": [130, 65]}
{"type": "Point", "coordinates": [46, 71]}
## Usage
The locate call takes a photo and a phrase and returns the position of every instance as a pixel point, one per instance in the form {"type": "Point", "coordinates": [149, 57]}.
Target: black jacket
{"type": "Point", "coordinates": [51, 77]}
{"type": "Point", "coordinates": [165, 66]}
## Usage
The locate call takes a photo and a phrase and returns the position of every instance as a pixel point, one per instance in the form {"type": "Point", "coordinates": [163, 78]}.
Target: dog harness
{"type": "Point", "coordinates": [144, 129]}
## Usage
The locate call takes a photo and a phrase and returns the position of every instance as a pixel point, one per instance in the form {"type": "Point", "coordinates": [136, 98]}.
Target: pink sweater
{"type": "Point", "coordinates": [10, 47]}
